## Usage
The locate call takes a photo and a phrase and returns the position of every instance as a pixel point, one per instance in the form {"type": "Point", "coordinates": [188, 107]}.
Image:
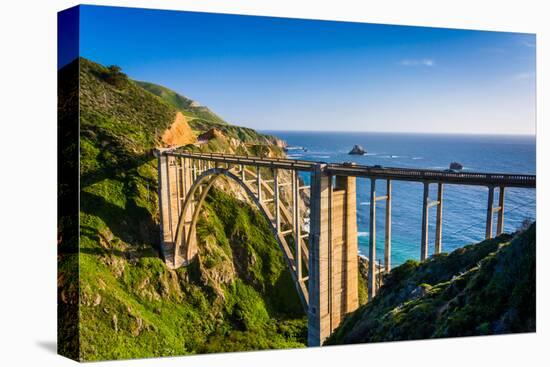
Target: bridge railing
{"type": "Point", "coordinates": [422, 175]}
{"type": "Point", "coordinates": [281, 163]}
{"type": "Point", "coordinates": [394, 173]}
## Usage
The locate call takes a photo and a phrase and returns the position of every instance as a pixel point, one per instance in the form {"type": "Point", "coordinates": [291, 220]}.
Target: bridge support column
{"type": "Point", "coordinates": [191, 244]}
{"type": "Point", "coordinates": [424, 237]}
{"type": "Point", "coordinates": [489, 225]}
{"type": "Point", "coordinates": [500, 220]}
{"type": "Point", "coordinates": [162, 163]}
{"type": "Point", "coordinates": [276, 200]}
{"type": "Point", "coordinates": [439, 219]}
{"type": "Point", "coordinates": [387, 239]}
{"type": "Point", "coordinates": [333, 266]}
{"type": "Point", "coordinates": [259, 183]}
{"type": "Point", "coordinates": [174, 199]}
{"type": "Point", "coordinates": [350, 247]}
{"type": "Point", "coordinates": [296, 224]}
{"type": "Point", "coordinates": [183, 186]}
{"type": "Point", "coordinates": [174, 180]}
{"type": "Point", "coordinates": [372, 241]}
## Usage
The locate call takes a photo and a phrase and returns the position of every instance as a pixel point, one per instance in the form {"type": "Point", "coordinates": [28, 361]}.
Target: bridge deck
{"type": "Point", "coordinates": [389, 173]}
{"type": "Point", "coordinates": [280, 163]}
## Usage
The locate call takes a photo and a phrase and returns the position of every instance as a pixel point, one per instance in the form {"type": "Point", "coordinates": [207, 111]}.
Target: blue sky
{"type": "Point", "coordinates": [290, 74]}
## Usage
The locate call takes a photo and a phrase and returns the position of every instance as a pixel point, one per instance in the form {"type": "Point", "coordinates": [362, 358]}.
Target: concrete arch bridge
{"type": "Point", "coordinates": [319, 244]}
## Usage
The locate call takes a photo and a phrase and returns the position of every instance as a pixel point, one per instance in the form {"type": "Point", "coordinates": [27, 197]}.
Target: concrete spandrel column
{"type": "Point", "coordinates": [439, 218]}
{"type": "Point", "coordinates": [424, 236]}
{"type": "Point", "coordinates": [372, 241]}
{"type": "Point", "coordinates": [500, 220]}
{"type": "Point", "coordinates": [296, 224]}
{"type": "Point", "coordinates": [489, 224]}
{"type": "Point", "coordinates": [276, 200]}
{"type": "Point", "coordinates": [173, 191]}
{"type": "Point", "coordinates": [387, 237]}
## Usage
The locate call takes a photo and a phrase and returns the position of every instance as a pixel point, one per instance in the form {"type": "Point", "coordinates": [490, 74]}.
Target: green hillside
{"type": "Point", "coordinates": [237, 295]}
{"type": "Point", "coordinates": [190, 108]}
{"type": "Point", "coordinates": [482, 289]}
{"type": "Point", "coordinates": [202, 119]}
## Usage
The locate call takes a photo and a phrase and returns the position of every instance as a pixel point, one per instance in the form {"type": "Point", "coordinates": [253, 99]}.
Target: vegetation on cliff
{"type": "Point", "coordinates": [201, 118]}
{"type": "Point", "coordinates": [482, 289]}
{"type": "Point", "coordinates": [237, 295]}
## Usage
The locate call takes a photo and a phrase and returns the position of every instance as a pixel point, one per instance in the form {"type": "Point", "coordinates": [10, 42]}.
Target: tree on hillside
{"type": "Point", "coordinates": [115, 76]}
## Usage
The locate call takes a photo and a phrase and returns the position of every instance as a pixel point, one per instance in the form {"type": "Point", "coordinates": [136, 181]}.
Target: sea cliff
{"type": "Point", "coordinates": [482, 289]}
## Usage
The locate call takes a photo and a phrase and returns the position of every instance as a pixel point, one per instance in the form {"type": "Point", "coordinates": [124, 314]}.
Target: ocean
{"type": "Point", "coordinates": [464, 207]}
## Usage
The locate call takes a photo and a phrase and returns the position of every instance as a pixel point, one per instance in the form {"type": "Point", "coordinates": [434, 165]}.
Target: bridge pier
{"type": "Point", "coordinates": [491, 211]}
{"type": "Point", "coordinates": [372, 241]}
{"type": "Point", "coordinates": [500, 220]}
{"type": "Point", "coordinates": [387, 239]}
{"type": "Point", "coordinates": [276, 200]}
{"type": "Point", "coordinates": [333, 268]}
{"type": "Point", "coordinates": [424, 235]}
{"type": "Point", "coordinates": [174, 180]}
{"type": "Point", "coordinates": [489, 224]}
{"type": "Point", "coordinates": [296, 225]}
{"type": "Point", "coordinates": [426, 204]}
{"type": "Point", "coordinates": [439, 218]}
{"type": "Point", "coordinates": [374, 271]}
{"type": "Point", "coordinates": [259, 183]}
{"type": "Point", "coordinates": [165, 233]}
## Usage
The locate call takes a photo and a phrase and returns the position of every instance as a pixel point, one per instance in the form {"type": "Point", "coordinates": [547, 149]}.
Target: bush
{"type": "Point", "coordinates": [115, 76]}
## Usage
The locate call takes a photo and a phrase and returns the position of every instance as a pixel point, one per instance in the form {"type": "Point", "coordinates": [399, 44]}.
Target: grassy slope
{"type": "Point", "coordinates": [201, 118]}
{"type": "Point", "coordinates": [67, 179]}
{"type": "Point", "coordinates": [183, 103]}
{"type": "Point", "coordinates": [131, 304]}
{"type": "Point", "coordinates": [482, 289]}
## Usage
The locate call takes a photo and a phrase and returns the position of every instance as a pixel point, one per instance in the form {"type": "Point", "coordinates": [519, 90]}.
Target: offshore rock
{"type": "Point", "coordinates": [456, 165]}
{"type": "Point", "coordinates": [357, 150]}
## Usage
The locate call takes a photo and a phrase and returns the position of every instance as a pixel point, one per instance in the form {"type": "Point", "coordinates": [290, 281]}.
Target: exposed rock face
{"type": "Point", "coordinates": [179, 133]}
{"type": "Point", "coordinates": [210, 134]}
{"type": "Point", "coordinates": [456, 165]}
{"type": "Point", "coordinates": [280, 143]}
{"type": "Point", "coordinates": [357, 150]}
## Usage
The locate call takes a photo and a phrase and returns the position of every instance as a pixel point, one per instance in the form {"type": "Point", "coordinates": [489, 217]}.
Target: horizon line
{"type": "Point", "coordinates": [534, 135]}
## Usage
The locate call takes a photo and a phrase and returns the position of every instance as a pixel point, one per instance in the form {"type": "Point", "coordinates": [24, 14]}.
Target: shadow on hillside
{"type": "Point", "coordinates": [114, 154]}
{"type": "Point", "coordinates": [132, 224]}
{"type": "Point", "coordinates": [129, 254]}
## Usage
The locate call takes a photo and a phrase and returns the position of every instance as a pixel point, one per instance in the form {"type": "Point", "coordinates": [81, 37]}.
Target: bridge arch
{"type": "Point", "coordinates": [329, 289]}
{"type": "Point", "coordinates": [185, 235]}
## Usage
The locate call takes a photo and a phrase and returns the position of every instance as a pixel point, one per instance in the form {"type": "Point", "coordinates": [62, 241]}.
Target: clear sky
{"type": "Point", "coordinates": [289, 74]}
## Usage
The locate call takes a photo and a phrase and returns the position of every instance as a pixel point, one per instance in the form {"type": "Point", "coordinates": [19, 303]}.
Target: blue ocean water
{"type": "Point", "coordinates": [464, 207]}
